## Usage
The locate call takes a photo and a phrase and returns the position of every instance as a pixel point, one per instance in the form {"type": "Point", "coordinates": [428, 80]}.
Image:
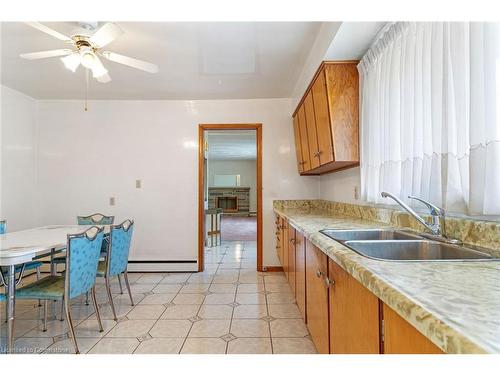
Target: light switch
{"type": "Point", "coordinates": [112, 201]}
{"type": "Point", "coordinates": [138, 184]}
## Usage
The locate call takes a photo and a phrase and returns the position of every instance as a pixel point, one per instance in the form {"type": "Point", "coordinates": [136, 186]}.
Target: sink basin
{"type": "Point", "coordinates": [369, 234]}
{"type": "Point", "coordinates": [421, 250]}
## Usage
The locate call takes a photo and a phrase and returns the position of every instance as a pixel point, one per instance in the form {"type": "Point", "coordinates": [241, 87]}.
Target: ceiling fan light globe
{"type": "Point", "coordinates": [87, 59]}
{"type": "Point", "coordinates": [71, 62]}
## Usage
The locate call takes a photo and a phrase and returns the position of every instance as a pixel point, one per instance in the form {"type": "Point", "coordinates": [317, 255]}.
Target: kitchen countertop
{"type": "Point", "coordinates": [454, 304]}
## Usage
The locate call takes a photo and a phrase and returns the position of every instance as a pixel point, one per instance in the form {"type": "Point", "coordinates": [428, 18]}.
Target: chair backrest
{"type": "Point", "coordinates": [119, 247]}
{"type": "Point", "coordinates": [95, 219]}
{"type": "Point", "coordinates": [3, 226]}
{"type": "Point", "coordinates": [82, 259]}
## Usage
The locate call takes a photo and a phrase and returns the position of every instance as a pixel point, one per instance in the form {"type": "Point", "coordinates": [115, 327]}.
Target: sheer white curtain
{"type": "Point", "coordinates": [430, 115]}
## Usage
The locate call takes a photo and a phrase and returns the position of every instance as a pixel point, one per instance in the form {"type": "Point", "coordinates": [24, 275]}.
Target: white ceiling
{"type": "Point", "coordinates": [352, 40]}
{"type": "Point", "coordinates": [196, 61]}
{"type": "Point", "coordinates": [231, 145]}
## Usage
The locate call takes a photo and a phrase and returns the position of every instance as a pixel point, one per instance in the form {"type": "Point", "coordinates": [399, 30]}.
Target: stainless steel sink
{"type": "Point", "coordinates": [421, 250]}
{"type": "Point", "coordinates": [342, 235]}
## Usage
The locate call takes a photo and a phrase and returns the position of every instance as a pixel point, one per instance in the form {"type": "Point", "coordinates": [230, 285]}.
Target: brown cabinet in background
{"type": "Point", "coordinates": [354, 314]}
{"type": "Point", "coordinates": [317, 297]}
{"type": "Point", "coordinates": [327, 119]}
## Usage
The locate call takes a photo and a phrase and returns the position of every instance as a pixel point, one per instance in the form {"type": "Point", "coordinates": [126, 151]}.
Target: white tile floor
{"type": "Point", "coordinates": [229, 308]}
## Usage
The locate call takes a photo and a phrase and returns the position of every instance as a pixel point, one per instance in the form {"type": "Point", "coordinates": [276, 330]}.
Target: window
{"type": "Point", "coordinates": [430, 115]}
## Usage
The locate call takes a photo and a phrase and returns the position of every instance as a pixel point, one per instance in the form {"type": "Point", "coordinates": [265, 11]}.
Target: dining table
{"type": "Point", "coordinates": [20, 247]}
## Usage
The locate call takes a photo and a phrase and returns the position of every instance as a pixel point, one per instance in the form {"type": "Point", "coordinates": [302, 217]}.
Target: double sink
{"type": "Point", "coordinates": [400, 245]}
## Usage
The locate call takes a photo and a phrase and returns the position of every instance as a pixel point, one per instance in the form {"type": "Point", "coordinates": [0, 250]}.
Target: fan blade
{"type": "Point", "coordinates": [49, 31]}
{"type": "Point", "coordinates": [105, 78]}
{"type": "Point", "coordinates": [46, 54]}
{"type": "Point", "coordinates": [129, 61]}
{"type": "Point", "coordinates": [105, 35]}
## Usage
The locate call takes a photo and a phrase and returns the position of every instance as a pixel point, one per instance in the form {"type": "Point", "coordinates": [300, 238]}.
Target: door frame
{"type": "Point", "coordinates": [201, 179]}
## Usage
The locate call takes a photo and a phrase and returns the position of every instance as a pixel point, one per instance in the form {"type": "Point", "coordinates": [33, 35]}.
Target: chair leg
{"type": "Point", "coordinates": [120, 282]}
{"type": "Point", "coordinates": [110, 297]}
{"type": "Point", "coordinates": [87, 299]}
{"type": "Point", "coordinates": [62, 310]}
{"type": "Point", "coordinates": [38, 278]}
{"type": "Point", "coordinates": [45, 305]}
{"type": "Point", "coordinates": [71, 328]}
{"type": "Point", "coordinates": [96, 307]}
{"type": "Point", "coordinates": [125, 276]}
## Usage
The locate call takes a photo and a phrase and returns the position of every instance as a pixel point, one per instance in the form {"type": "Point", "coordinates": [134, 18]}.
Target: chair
{"type": "Point", "coordinates": [82, 260]}
{"type": "Point", "coordinates": [116, 261]}
{"type": "Point", "coordinates": [94, 219]}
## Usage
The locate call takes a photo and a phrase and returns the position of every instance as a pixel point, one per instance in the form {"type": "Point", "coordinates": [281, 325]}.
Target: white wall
{"type": "Point", "coordinates": [339, 186]}
{"type": "Point", "coordinates": [18, 178]}
{"type": "Point", "coordinates": [86, 157]}
{"type": "Point", "coordinates": [247, 169]}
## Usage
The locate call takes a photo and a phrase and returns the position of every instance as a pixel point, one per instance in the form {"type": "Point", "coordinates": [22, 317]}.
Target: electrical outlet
{"type": "Point", "coordinates": [112, 201]}
{"type": "Point", "coordinates": [138, 184]}
{"type": "Point", "coordinates": [356, 192]}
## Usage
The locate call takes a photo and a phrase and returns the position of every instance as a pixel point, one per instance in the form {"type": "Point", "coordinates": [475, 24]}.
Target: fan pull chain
{"type": "Point", "coordinates": [86, 89]}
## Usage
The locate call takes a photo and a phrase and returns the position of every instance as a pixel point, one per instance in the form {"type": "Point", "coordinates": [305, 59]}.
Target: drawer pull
{"type": "Point", "coordinates": [319, 274]}
{"type": "Point", "coordinates": [292, 241]}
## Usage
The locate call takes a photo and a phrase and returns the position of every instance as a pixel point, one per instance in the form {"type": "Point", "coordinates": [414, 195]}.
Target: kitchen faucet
{"type": "Point", "coordinates": [437, 224]}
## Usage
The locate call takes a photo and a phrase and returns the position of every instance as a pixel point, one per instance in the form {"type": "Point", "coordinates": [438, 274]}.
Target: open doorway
{"type": "Point", "coordinates": [230, 193]}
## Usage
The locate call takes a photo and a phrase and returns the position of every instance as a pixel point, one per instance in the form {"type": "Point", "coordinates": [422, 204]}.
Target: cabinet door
{"type": "Point", "coordinates": [300, 273]}
{"type": "Point", "coordinates": [298, 145]}
{"type": "Point", "coordinates": [322, 119]}
{"type": "Point", "coordinates": [311, 131]}
{"type": "Point", "coordinates": [354, 315]}
{"type": "Point", "coordinates": [285, 246]}
{"type": "Point", "coordinates": [343, 98]}
{"type": "Point", "coordinates": [304, 142]}
{"type": "Point", "coordinates": [400, 337]}
{"type": "Point", "coordinates": [317, 297]}
{"type": "Point", "coordinates": [291, 258]}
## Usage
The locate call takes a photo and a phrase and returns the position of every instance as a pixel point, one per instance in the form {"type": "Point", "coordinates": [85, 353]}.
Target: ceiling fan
{"type": "Point", "coordinates": [86, 48]}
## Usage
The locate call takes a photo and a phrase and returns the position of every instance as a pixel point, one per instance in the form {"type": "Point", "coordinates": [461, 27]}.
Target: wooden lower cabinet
{"type": "Point", "coordinates": [400, 337]}
{"type": "Point", "coordinates": [300, 273]}
{"type": "Point", "coordinates": [290, 274]}
{"type": "Point", "coordinates": [354, 314]}
{"type": "Point", "coordinates": [317, 297]}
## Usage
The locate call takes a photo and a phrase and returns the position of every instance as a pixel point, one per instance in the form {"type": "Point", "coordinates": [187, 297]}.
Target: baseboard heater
{"type": "Point", "coordinates": [162, 266]}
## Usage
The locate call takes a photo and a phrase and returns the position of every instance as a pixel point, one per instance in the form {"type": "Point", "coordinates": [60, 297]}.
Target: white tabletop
{"type": "Point", "coordinates": [22, 246]}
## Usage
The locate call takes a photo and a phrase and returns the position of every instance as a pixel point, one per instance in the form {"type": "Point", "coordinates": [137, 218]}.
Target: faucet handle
{"type": "Point", "coordinates": [435, 210]}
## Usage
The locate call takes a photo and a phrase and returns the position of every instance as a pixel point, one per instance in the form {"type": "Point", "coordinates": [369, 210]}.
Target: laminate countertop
{"type": "Point", "coordinates": [454, 304]}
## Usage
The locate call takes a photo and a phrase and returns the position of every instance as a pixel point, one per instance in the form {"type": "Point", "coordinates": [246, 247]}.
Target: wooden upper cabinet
{"type": "Point", "coordinates": [298, 145]}
{"type": "Point", "coordinates": [343, 99]}
{"type": "Point", "coordinates": [322, 118]}
{"type": "Point", "coordinates": [354, 315]}
{"type": "Point", "coordinates": [304, 139]}
{"type": "Point", "coordinates": [328, 120]}
{"type": "Point", "coordinates": [312, 136]}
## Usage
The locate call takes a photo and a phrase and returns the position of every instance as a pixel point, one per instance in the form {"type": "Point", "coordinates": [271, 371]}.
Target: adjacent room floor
{"type": "Point", "coordinates": [239, 228]}
{"type": "Point", "coordinates": [228, 308]}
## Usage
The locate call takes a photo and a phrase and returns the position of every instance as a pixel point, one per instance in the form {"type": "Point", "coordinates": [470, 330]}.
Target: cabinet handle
{"type": "Point", "coordinates": [319, 273]}
{"type": "Point", "coordinates": [329, 282]}
{"type": "Point", "coordinates": [292, 240]}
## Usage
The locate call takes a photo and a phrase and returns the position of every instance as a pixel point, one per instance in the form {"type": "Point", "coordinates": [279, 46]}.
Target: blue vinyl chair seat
{"type": "Point", "coordinates": [51, 287]}
{"type": "Point", "coordinates": [2, 297]}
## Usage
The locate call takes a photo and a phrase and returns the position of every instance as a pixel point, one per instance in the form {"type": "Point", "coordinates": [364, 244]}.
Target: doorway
{"type": "Point", "coordinates": [227, 210]}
